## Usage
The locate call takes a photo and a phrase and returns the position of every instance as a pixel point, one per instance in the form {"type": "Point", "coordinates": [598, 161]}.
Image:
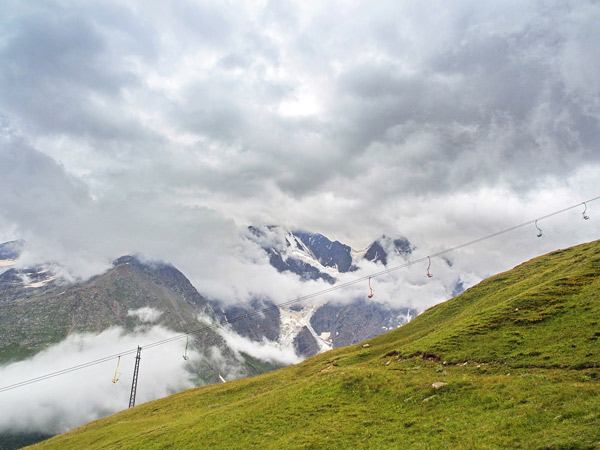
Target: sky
{"type": "Point", "coordinates": [166, 128]}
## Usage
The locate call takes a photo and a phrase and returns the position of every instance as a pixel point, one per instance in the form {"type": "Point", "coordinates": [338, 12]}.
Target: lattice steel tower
{"type": "Point", "coordinates": [136, 371]}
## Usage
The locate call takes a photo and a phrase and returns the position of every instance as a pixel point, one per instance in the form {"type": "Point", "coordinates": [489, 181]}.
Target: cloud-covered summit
{"type": "Point", "coordinates": [166, 128]}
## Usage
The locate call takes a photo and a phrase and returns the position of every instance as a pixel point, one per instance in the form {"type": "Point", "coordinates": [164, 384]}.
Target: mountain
{"type": "Point", "coordinates": [329, 254]}
{"type": "Point", "coordinates": [317, 327]}
{"type": "Point", "coordinates": [377, 252]}
{"type": "Point", "coordinates": [357, 321]}
{"type": "Point", "coordinates": [313, 256]}
{"type": "Point", "coordinates": [39, 310]}
{"type": "Point", "coordinates": [11, 250]}
{"type": "Point", "coordinates": [302, 253]}
{"type": "Point", "coordinates": [107, 300]}
{"type": "Point", "coordinates": [309, 255]}
{"type": "Point", "coordinates": [513, 362]}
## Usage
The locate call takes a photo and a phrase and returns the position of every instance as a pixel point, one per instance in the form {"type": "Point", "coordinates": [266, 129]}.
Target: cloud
{"type": "Point", "coordinates": [165, 130]}
{"type": "Point", "coordinates": [145, 314]}
{"type": "Point", "coordinates": [61, 403]}
{"type": "Point", "coordinates": [265, 351]}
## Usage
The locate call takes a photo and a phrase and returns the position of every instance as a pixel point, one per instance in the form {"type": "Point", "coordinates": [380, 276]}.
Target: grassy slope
{"type": "Point", "coordinates": [519, 353]}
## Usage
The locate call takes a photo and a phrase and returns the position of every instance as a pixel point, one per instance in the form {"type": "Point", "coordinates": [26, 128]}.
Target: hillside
{"type": "Point", "coordinates": [34, 318]}
{"type": "Point", "coordinates": [40, 307]}
{"type": "Point", "coordinates": [513, 362]}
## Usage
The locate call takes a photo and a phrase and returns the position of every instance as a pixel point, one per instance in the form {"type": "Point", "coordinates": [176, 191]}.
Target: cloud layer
{"type": "Point", "coordinates": [165, 129]}
{"type": "Point", "coordinates": [59, 404]}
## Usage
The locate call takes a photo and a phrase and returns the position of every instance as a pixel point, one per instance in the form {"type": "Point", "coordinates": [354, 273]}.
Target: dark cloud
{"type": "Point", "coordinates": [65, 74]}
{"type": "Point", "coordinates": [194, 118]}
{"type": "Point", "coordinates": [33, 186]}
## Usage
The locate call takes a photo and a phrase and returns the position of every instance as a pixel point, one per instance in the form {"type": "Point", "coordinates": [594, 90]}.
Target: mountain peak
{"type": "Point", "coordinates": [11, 250]}
{"type": "Point", "coordinates": [379, 250]}
{"type": "Point", "coordinates": [329, 253]}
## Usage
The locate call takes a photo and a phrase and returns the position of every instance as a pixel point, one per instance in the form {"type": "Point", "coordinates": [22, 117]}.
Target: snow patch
{"type": "Point", "coordinates": [298, 250]}
{"type": "Point", "coordinates": [293, 321]}
{"type": "Point", "coordinates": [405, 318]}
{"type": "Point", "coordinates": [358, 255]}
{"type": "Point", "coordinates": [38, 284]}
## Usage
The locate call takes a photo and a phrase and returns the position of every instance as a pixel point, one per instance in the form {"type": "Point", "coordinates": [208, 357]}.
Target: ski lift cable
{"type": "Point", "coordinates": [296, 300]}
{"type": "Point", "coordinates": [373, 275]}
{"type": "Point", "coordinates": [67, 370]}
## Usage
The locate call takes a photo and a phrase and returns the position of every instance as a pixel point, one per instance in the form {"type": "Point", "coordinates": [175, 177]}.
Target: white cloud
{"type": "Point", "coordinates": [146, 314]}
{"type": "Point", "coordinates": [58, 404]}
{"type": "Point", "coordinates": [265, 351]}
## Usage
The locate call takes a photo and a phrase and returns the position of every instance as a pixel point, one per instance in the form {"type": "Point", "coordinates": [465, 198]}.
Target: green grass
{"type": "Point", "coordinates": [519, 354]}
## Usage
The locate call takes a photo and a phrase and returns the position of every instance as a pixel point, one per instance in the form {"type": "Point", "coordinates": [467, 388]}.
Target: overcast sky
{"type": "Point", "coordinates": [165, 128]}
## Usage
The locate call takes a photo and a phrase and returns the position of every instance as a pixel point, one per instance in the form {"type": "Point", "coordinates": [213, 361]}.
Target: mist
{"type": "Point", "coordinates": [265, 350]}
{"type": "Point", "coordinates": [58, 404]}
